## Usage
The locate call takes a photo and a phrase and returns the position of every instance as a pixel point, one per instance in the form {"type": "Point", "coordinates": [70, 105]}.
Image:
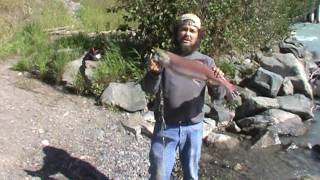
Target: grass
{"type": "Point", "coordinates": [116, 66]}
{"type": "Point", "coordinates": [46, 59]}
{"type": "Point", "coordinates": [18, 15]}
{"type": "Point", "coordinates": [15, 14]}
{"type": "Point", "coordinates": [94, 16]}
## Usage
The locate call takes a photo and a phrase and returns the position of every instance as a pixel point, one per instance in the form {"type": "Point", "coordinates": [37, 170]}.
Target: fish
{"type": "Point", "coordinates": [193, 69]}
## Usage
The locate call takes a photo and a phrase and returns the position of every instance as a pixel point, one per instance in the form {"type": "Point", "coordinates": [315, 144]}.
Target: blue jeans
{"type": "Point", "coordinates": [187, 139]}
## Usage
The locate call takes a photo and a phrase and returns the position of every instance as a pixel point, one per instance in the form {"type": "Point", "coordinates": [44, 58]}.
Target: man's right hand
{"type": "Point", "coordinates": [154, 67]}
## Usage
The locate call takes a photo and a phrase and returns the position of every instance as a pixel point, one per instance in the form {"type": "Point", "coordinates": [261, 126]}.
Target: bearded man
{"type": "Point", "coordinates": [179, 102]}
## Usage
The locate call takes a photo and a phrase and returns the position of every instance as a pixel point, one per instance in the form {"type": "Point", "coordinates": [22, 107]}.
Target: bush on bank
{"type": "Point", "coordinates": [230, 24]}
{"type": "Point", "coordinates": [243, 25]}
{"type": "Point", "coordinates": [46, 60]}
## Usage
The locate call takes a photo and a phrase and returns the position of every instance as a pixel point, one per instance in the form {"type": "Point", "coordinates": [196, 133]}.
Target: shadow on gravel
{"type": "Point", "coordinates": [59, 161]}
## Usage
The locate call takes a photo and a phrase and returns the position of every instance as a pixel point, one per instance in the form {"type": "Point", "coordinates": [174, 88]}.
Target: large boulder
{"type": "Point", "coordinates": [267, 139]}
{"type": "Point", "coordinates": [220, 113]}
{"type": "Point", "coordinates": [222, 141]}
{"type": "Point", "coordinates": [256, 105]}
{"type": "Point", "coordinates": [285, 123]}
{"type": "Point", "coordinates": [287, 65]}
{"type": "Point", "coordinates": [128, 96]}
{"type": "Point", "coordinates": [70, 72]}
{"type": "Point", "coordinates": [267, 83]}
{"type": "Point", "coordinates": [275, 120]}
{"type": "Point", "coordinates": [87, 69]}
{"type": "Point", "coordinates": [297, 104]}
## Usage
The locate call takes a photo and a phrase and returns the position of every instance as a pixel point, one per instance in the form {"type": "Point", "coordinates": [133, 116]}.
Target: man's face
{"type": "Point", "coordinates": [188, 37]}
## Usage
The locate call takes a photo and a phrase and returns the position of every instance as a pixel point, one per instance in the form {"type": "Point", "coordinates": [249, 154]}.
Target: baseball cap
{"type": "Point", "coordinates": [194, 18]}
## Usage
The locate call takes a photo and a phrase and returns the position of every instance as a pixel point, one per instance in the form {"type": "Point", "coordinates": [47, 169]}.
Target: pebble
{"type": "Point", "coordinates": [45, 142]}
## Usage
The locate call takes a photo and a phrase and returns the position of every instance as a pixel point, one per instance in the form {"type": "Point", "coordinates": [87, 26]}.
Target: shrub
{"type": "Point", "coordinates": [230, 24]}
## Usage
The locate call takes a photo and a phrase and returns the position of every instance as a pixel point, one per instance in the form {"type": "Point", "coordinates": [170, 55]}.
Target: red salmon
{"type": "Point", "coordinates": [193, 69]}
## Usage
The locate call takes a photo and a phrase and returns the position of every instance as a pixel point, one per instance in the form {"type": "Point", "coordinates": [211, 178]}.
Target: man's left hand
{"type": "Point", "coordinates": [217, 72]}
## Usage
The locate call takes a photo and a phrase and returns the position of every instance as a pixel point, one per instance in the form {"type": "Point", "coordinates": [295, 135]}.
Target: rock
{"type": "Point", "coordinates": [293, 127]}
{"type": "Point", "coordinates": [290, 146]}
{"type": "Point", "coordinates": [292, 45]}
{"type": "Point", "coordinates": [221, 114]}
{"type": "Point", "coordinates": [45, 142]}
{"type": "Point", "coordinates": [316, 149]}
{"type": "Point", "coordinates": [285, 123]}
{"type": "Point", "coordinates": [267, 82]}
{"type": "Point", "coordinates": [266, 140]}
{"type": "Point", "coordinates": [206, 109]}
{"type": "Point", "coordinates": [275, 120]}
{"type": "Point", "coordinates": [207, 129]}
{"type": "Point", "coordinates": [247, 93]}
{"type": "Point", "coordinates": [71, 70]}
{"type": "Point", "coordinates": [287, 65]}
{"type": "Point", "coordinates": [297, 104]}
{"type": "Point", "coordinates": [287, 88]}
{"type": "Point", "coordinates": [87, 68]}
{"type": "Point", "coordinates": [240, 167]}
{"type": "Point", "coordinates": [222, 141]}
{"type": "Point", "coordinates": [211, 122]}
{"type": "Point", "coordinates": [233, 128]}
{"type": "Point", "coordinates": [128, 96]}
{"type": "Point", "coordinates": [217, 93]}
{"type": "Point", "coordinates": [133, 124]}
{"type": "Point", "coordinates": [316, 87]}
{"type": "Point", "coordinates": [256, 105]}
{"type": "Point", "coordinates": [147, 129]}
{"type": "Point", "coordinates": [309, 177]}
{"type": "Point", "coordinates": [149, 116]}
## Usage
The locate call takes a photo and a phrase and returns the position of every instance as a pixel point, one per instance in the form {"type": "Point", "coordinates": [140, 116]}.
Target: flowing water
{"type": "Point", "coordinates": [276, 163]}
{"type": "Point", "coordinates": [309, 35]}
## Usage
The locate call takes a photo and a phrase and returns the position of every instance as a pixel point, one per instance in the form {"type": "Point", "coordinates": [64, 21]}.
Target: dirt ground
{"type": "Point", "coordinates": [49, 134]}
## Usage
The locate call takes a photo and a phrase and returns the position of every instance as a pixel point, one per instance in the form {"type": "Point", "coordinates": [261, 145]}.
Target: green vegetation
{"type": "Point", "coordinates": [230, 24]}
{"type": "Point", "coordinates": [94, 17]}
{"type": "Point", "coordinates": [117, 65]}
{"type": "Point", "coordinates": [46, 59]}
{"type": "Point", "coordinates": [243, 25]}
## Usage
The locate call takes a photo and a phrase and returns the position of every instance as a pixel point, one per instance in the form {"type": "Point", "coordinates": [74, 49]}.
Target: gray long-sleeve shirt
{"type": "Point", "coordinates": [183, 97]}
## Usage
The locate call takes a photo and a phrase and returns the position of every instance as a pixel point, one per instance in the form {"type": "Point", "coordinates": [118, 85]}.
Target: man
{"type": "Point", "coordinates": [179, 103]}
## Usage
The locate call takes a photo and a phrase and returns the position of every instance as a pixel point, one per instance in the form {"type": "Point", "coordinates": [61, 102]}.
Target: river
{"type": "Point", "coordinates": [275, 163]}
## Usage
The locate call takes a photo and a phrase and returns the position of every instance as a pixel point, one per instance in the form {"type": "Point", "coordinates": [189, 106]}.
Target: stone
{"type": "Point", "coordinates": [292, 45]}
{"type": "Point", "coordinates": [71, 70]}
{"type": "Point", "coordinates": [286, 88]}
{"type": "Point", "coordinates": [266, 140]}
{"type": "Point", "coordinates": [128, 96]}
{"type": "Point", "coordinates": [147, 129]}
{"type": "Point", "coordinates": [222, 141]}
{"type": "Point", "coordinates": [149, 116]}
{"type": "Point", "coordinates": [297, 104]}
{"type": "Point", "coordinates": [267, 83]}
{"type": "Point", "coordinates": [287, 65]}
{"type": "Point", "coordinates": [256, 105]}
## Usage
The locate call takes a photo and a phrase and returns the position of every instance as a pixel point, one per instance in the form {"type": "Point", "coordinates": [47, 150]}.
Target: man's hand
{"type": "Point", "coordinates": [217, 72]}
{"type": "Point", "coordinates": [154, 67]}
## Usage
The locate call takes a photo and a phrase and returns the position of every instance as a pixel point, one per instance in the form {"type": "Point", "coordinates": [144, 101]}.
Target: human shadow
{"type": "Point", "coordinates": [59, 161]}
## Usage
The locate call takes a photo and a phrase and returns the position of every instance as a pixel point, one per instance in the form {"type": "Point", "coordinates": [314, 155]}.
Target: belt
{"type": "Point", "coordinates": [185, 123]}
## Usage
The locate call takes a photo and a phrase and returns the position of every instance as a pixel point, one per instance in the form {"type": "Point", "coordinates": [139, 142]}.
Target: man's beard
{"type": "Point", "coordinates": [188, 49]}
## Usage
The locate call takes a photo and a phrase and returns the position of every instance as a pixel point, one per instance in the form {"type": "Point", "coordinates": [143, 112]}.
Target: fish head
{"type": "Point", "coordinates": [161, 56]}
